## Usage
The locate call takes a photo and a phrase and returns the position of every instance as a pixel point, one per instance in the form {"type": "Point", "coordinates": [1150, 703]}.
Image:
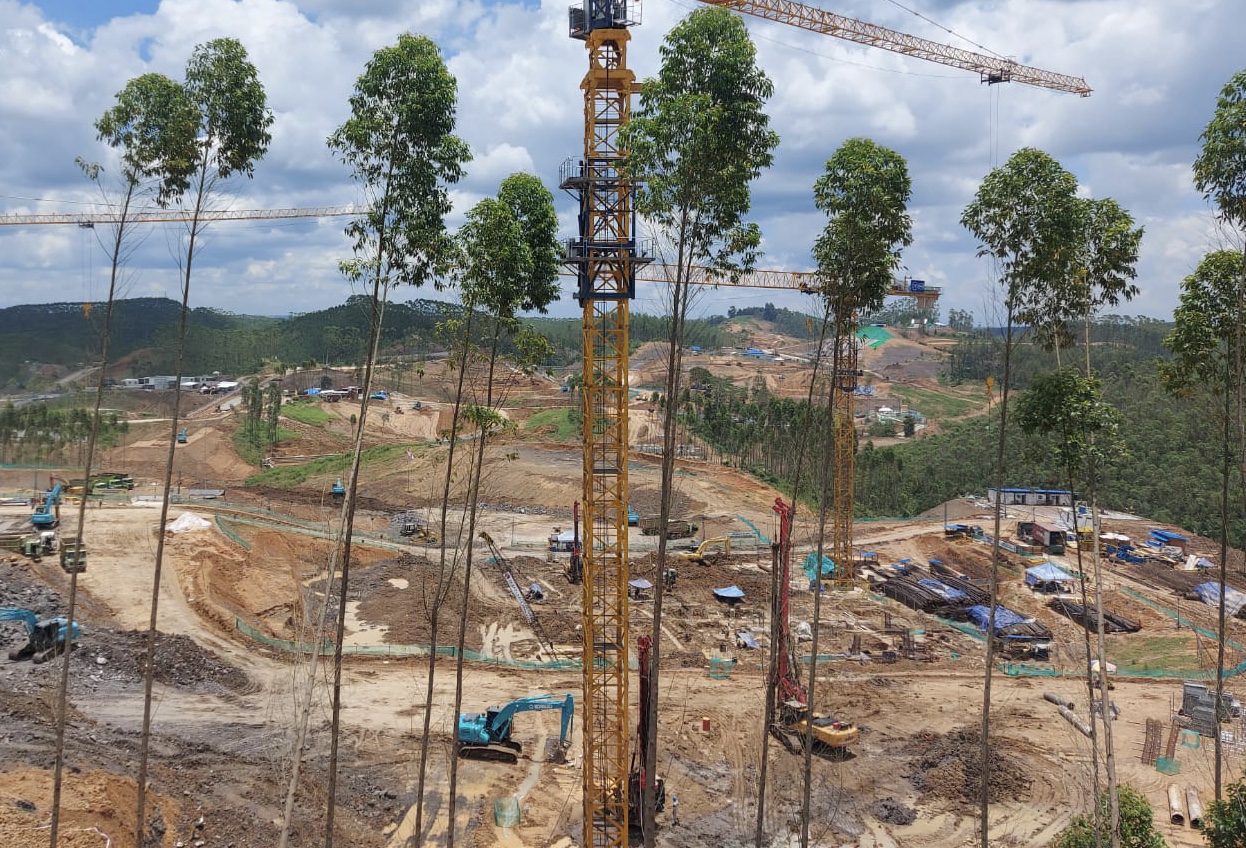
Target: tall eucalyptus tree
{"type": "Point", "coordinates": [400, 147]}
{"type": "Point", "coordinates": [699, 138]}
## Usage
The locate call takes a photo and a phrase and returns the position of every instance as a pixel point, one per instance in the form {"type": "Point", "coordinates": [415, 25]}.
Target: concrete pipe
{"type": "Point", "coordinates": [1058, 700]}
{"type": "Point", "coordinates": [1194, 806]}
{"type": "Point", "coordinates": [1075, 721]}
{"type": "Point", "coordinates": [1175, 807]}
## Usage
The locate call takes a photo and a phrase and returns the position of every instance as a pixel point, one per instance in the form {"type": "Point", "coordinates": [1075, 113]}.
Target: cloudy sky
{"type": "Point", "coordinates": [1156, 68]}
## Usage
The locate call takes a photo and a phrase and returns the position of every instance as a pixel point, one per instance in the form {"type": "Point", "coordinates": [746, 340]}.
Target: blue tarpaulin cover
{"type": "Point", "coordinates": [943, 590]}
{"type": "Point", "coordinates": [745, 638]}
{"type": "Point", "coordinates": [1047, 573]}
{"type": "Point", "coordinates": [811, 565]}
{"type": "Point", "coordinates": [1004, 617]}
{"type": "Point", "coordinates": [1209, 593]}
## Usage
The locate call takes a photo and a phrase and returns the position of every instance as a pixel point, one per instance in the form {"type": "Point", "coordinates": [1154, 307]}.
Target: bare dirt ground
{"type": "Point", "coordinates": [225, 704]}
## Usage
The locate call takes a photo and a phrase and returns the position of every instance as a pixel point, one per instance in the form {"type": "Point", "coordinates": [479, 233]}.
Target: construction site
{"type": "Point", "coordinates": [863, 645]}
{"type": "Point", "coordinates": [898, 677]}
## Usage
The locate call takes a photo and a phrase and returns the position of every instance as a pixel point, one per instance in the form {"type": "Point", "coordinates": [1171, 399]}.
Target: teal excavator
{"type": "Point", "coordinates": [45, 638]}
{"type": "Point", "coordinates": [487, 735]}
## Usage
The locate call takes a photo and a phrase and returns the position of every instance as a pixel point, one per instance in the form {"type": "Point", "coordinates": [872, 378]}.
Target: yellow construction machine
{"type": "Point", "coordinates": [707, 550]}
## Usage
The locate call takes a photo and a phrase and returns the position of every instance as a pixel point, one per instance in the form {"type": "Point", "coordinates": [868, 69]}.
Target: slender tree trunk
{"type": "Point", "coordinates": [1092, 475]}
{"type": "Point", "coordinates": [1224, 558]}
{"type": "Point", "coordinates": [776, 569]}
{"type": "Point", "coordinates": [473, 509]}
{"type": "Point", "coordinates": [379, 297]}
{"type": "Point", "coordinates": [150, 671]}
{"type": "Point", "coordinates": [779, 629]}
{"type": "Point", "coordinates": [824, 485]}
{"type": "Point", "coordinates": [62, 694]}
{"type": "Point", "coordinates": [674, 369]}
{"type": "Point", "coordinates": [984, 752]}
{"type": "Point", "coordinates": [443, 576]}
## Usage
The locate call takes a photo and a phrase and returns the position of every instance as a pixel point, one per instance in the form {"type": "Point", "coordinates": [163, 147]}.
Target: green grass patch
{"type": "Point", "coordinates": [289, 476]}
{"type": "Point", "coordinates": [939, 404]}
{"type": "Point", "coordinates": [1151, 653]}
{"type": "Point", "coordinates": [307, 413]}
{"type": "Point", "coordinates": [249, 451]}
{"type": "Point", "coordinates": [564, 429]}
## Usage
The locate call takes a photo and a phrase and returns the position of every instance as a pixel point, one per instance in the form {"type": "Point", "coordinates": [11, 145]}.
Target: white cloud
{"type": "Point", "coordinates": [1155, 66]}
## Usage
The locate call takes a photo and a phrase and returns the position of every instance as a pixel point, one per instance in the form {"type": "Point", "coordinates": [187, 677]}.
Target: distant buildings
{"type": "Point", "coordinates": [1031, 497]}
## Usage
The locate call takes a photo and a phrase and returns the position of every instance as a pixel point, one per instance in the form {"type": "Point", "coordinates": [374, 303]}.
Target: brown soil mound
{"type": "Point", "coordinates": [949, 766]}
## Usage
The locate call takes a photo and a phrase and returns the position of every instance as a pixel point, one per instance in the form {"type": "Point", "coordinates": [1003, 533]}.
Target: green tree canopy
{"type": "Point", "coordinates": [1137, 825]}
{"type": "Point", "coordinates": [1026, 215]}
{"type": "Point", "coordinates": [400, 145]}
{"type": "Point", "coordinates": [1220, 169]}
{"type": "Point", "coordinates": [1207, 321]}
{"type": "Point", "coordinates": [233, 109]}
{"type": "Point", "coordinates": [154, 124]}
{"type": "Point", "coordinates": [701, 136]}
{"type": "Point", "coordinates": [864, 192]}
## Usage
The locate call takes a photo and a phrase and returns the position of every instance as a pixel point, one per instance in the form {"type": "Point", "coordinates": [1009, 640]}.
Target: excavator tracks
{"type": "Point", "coordinates": [500, 753]}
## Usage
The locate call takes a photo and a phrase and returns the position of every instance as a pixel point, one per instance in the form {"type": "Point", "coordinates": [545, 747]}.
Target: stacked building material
{"type": "Point", "coordinates": [1086, 617]}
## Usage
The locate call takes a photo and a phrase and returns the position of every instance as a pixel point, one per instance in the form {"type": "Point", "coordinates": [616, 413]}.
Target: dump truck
{"type": "Point", "coordinates": [73, 556]}
{"type": "Point", "coordinates": [676, 528]}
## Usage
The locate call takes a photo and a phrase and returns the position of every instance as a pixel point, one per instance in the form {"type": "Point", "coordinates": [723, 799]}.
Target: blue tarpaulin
{"type": "Point", "coordinates": [745, 639]}
{"type": "Point", "coordinates": [1046, 573]}
{"type": "Point", "coordinates": [1004, 617]}
{"type": "Point", "coordinates": [943, 590]}
{"type": "Point", "coordinates": [811, 565]}
{"type": "Point", "coordinates": [1209, 593]}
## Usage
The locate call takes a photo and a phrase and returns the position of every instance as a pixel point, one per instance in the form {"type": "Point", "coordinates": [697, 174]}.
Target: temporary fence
{"type": "Point", "coordinates": [230, 533]}
{"type": "Point", "coordinates": [1181, 621]}
{"type": "Point", "coordinates": [761, 537]}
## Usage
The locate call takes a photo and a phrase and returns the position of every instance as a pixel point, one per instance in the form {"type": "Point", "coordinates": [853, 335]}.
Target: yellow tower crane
{"type": "Point", "coordinates": [605, 260]}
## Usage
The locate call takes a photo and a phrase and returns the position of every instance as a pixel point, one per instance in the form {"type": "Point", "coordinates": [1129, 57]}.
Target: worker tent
{"type": "Point", "coordinates": [1209, 593]}
{"type": "Point", "coordinates": [1049, 577]}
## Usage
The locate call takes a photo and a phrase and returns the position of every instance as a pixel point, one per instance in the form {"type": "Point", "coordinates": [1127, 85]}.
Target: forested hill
{"type": "Point", "coordinates": [144, 335]}
{"type": "Point", "coordinates": [1169, 470]}
{"type": "Point", "coordinates": [144, 332]}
